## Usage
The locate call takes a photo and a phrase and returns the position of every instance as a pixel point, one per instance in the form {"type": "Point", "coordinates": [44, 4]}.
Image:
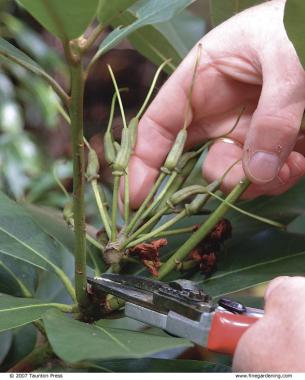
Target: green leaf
{"type": "Point", "coordinates": [6, 338]}
{"type": "Point", "coordinates": [17, 278]}
{"type": "Point", "coordinates": [171, 39]}
{"type": "Point", "coordinates": [222, 10]}
{"type": "Point", "coordinates": [22, 238]}
{"type": "Point", "coordinates": [52, 222]}
{"type": "Point", "coordinates": [294, 24]}
{"type": "Point", "coordinates": [24, 340]}
{"type": "Point", "coordinates": [107, 10]}
{"type": "Point", "coordinates": [147, 12]}
{"type": "Point", "coordinates": [16, 311]}
{"type": "Point", "coordinates": [183, 31]}
{"type": "Point", "coordinates": [31, 42]}
{"type": "Point", "coordinates": [124, 323]}
{"type": "Point", "coordinates": [252, 260]}
{"type": "Point", "coordinates": [9, 52]}
{"type": "Point", "coordinates": [283, 208]}
{"type": "Point", "coordinates": [156, 365]}
{"type": "Point", "coordinates": [66, 19]}
{"type": "Point", "coordinates": [73, 341]}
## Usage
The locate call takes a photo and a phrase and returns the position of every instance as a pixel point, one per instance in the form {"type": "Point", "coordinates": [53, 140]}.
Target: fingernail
{"type": "Point", "coordinates": [264, 166]}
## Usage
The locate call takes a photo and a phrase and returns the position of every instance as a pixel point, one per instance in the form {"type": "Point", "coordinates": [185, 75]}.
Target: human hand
{"type": "Point", "coordinates": [247, 61]}
{"type": "Point", "coordinates": [276, 343]}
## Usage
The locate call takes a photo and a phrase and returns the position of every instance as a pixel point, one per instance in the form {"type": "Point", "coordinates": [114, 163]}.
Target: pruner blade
{"type": "Point", "coordinates": [180, 308]}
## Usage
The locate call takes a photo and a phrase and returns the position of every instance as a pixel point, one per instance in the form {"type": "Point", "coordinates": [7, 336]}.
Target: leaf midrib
{"type": "Point", "coordinates": [134, 25]}
{"type": "Point", "coordinates": [252, 266]}
{"type": "Point", "coordinates": [27, 307]}
{"type": "Point", "coordinates": [122, 345]}
{"type": "Point", "coordinates": [29, 248]}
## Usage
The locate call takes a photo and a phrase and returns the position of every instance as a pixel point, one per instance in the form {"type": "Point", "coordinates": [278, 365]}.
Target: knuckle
{"type": "Point", "coordinates": [286, 125]}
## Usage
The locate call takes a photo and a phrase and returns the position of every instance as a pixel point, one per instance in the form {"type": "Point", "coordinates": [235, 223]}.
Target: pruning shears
{"type": "Point", "coordinates": [181, 308]}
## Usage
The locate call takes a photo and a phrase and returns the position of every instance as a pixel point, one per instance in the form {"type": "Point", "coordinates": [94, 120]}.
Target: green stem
{"type": "Point", "coordinates": [175, 232]}
{"type": "Point", "coordinates": [205, 228]}
{"type": "Point", "coordinates": [118, 96]}
{"type": "Point", "coordinates": [157, 231]}
{"type": "Point", "coordinates": [94, 242]}
{"type": "Point", "coordinates": [137, 218]}
{"type": "Point", "coordinates": [126, 197]}
{"type": "Point", "coordinates": [249, 214]}
{"type": "Point", "coordinates": [115, 200]}
{"type": "Point", "coordinates": [76, 116]}
{"type": "Point", "coordinates": [93, 37]}
{"type": "Point", "coordinates": [64, 307]}
{"type": "Point", "coordinates": [154, 219]}
{"type": "Point", "coordinates": [151, 89]}
{"type": "Point", "coordinates": [38, 357]}
{"type": "Point", "coordinates": [102, 209]}
{"type": "Point", "coordinates": [162, 194]}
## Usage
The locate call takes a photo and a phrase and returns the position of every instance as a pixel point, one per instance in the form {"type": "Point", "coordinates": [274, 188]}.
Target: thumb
{"type": "Point", "coordinates": [275, 123]}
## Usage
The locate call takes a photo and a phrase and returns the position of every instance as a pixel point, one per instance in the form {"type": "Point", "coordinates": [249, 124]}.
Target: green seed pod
{"type": "Point", "coordinates": [93, 166]}
{"type": "Point", "coordinates": [117, 147]}
{"type": "Point", "coordinates": [197, 203]}
{"type": "Point", "coordinates": [201, 199]}
{"type": "Point", "coordinates": [133, 127]}
{"type": "Point", "coordinates": [109, 148]}
{"type": "Point", "coordinates": [185, 158]}
{"type": "Point", "coordinates": [184, 193]}
{"type": "Point", "coordinates": [122, 158]}
{"type": "Point", "coordinates": [176, 151]}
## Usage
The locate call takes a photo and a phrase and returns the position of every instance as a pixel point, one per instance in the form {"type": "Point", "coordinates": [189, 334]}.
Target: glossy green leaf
{"type": "Point", "coordinates": [22, 238]}
{"type": "Point", "coordinates": [124, 323]}
{"type": "Point", "coordinates": [23, 342]}
{"type": "Point", "coordinates": [252, 260]}
{"type": "Point", "coordinates": [9, 52]}
{"type": "Point", "coordinates": [282, 208]}
{"type": "Point", "coordinates": [108, 10]}
{"type": "Point", "coordinates": [171, 39]}
{"type": "Point", "coordinates": [294, 24]}
{"type": "Point", "coordinates": [156, 365]}
{"type": "Point", "coordinates": [17, 278]}
{"type": "Point", "coordinates": [73, 341]}
{"type": "Point", "coordinates": [50, 289]}
{"type": "Point", "coordinates": [66, 19]}
{"type": "Point", "coordinates": [222, 10]}
{"type": "Point", "coordinates": [183, 31]}
{"type": "Point", "coordinates": [147, 12]}
{"type": "Point", "coordinates": [52, 222]}
{"type": "Point", "coordinates": [6, 338]}
{"type": "Point", "coordinates": [16, 311]}
{"type": "Point", "coordinates": [31, 42]}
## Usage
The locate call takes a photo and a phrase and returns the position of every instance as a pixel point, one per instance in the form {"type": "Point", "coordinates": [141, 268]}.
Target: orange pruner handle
{"type": "Point", "coordinates": [226, 330]}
